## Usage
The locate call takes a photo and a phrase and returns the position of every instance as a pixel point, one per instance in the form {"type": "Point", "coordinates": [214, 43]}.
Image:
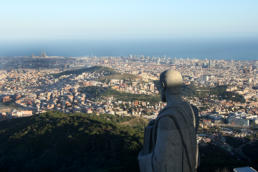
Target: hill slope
{"type": "Point", "coordinates": [98, 69]}
{"type": "Point", "coordinates": [58, 142]}
{"type": "Point", "coordinates": [98, 92]}
{"type": "Point", "coordinates": [108, 73]}
{"type": "Point", "coordinates": [82, 142]}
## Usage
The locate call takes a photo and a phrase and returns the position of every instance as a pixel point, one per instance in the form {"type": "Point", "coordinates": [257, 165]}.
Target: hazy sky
{"type": "Point", "coordinates": [123, 19]}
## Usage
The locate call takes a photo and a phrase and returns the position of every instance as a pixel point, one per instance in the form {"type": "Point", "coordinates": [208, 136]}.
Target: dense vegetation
{"type": "Point", "coordinates": [97, 92]}
{"type": "Point", "coordinates": [99, 69]}
{"type": "Point", "coordinates": [61, 142]}
{"type": "Point", "coordinates": [219, 91]}
{"type": "Point", "coordinates": [119, 76]}
{"type": "Point", "coordinates": [251, 150]}
{"type": "Point", "coordinates": [107, 72]}
{"type": "Point", "coordinates": [214, 158]}
{"type": "Point", "coordinates": [236, 142]}
{"type": "Point", "coordinates": [83, 142]}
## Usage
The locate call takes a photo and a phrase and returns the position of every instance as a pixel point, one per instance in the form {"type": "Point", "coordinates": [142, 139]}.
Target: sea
{"type": "Point", "coordinates": [229, 49]}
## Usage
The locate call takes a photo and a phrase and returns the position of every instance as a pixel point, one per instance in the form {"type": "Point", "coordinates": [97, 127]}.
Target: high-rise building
{"type": "Point", "coordinates": [43, 54]}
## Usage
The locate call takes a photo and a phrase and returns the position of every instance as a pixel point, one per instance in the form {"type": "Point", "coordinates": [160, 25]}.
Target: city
{"type": "Point", "coordinates": [127, 86]}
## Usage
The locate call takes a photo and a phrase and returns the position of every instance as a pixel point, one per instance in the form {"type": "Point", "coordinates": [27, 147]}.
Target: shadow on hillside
{"type": "Point", "coordinates": [77, 144]}
{"type": "Point", "coordinates": [80, 142]}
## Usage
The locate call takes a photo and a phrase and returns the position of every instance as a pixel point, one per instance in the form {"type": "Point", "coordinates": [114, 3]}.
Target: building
{"type": "Point", "coordinates": [238, 121]}
{"type": "Point", "coordinates": [22, 113]}
{"type": "Point", "coordinates": [244, 169]}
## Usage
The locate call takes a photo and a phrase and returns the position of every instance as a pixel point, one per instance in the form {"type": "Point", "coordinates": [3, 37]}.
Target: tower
{"type": "Point", "coordinates": [43, 54]}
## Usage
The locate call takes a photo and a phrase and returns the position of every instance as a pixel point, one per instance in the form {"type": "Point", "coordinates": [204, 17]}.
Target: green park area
{"type": "Point", "coordinates": [97, 92]}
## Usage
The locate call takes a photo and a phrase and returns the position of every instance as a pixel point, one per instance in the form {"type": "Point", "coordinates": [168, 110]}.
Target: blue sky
{"type": "Point", "coordinates": [127, 19]}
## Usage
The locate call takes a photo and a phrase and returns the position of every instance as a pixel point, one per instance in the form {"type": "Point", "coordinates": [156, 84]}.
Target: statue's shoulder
{"type": "Point", "coordinates": [176, 111]}
{"type": "Point", "coordinates": [166, 123]}
{"type": "Point", "coordinates": [168, 110]}
{"type": "Point", "coordinates": [166, 118]}
{"type": "Point", "coordinates": [173, 110]}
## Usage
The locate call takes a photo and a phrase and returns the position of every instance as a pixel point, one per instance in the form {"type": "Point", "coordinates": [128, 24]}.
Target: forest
{"type": "Point", "coordinates": [86, 142]}
{"type": "Point", "coordinates": [96, 92]}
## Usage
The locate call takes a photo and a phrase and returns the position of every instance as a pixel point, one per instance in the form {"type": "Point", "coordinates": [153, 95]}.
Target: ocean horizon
{"type": "Point", "coordinates": [235, 49]}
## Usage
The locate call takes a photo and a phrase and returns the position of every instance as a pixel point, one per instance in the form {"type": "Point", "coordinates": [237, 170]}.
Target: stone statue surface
{"type": "Point", "coordinates": [175, 146]}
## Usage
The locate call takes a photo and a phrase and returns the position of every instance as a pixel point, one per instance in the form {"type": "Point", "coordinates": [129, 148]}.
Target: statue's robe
{"type": "Point", "coordinates": [176, 148]}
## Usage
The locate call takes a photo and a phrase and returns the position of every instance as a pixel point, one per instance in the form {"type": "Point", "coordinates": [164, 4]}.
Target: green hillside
{"type": "Point", "coordinates": [220, 92]}
{"type": "Point", "coordinates": [61, 142]}
{"type": "Point", "coordinates": [82, 142]}
{"type": "Point", "coordinates": [119, 76]}
{"type": "Point", "coordinates": [107, 72]}
{"type": "Point", "coordinates": [99, 69]}
{"type": "Point", "coordinates": [97, 92]}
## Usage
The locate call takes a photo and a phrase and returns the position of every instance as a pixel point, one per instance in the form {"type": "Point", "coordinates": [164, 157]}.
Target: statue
{"type": "Point", "coordinates": [170, 143]}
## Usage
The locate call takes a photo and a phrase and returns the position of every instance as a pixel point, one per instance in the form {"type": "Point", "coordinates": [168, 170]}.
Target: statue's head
{"type": "Point", "coordinates": [170, 83]}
